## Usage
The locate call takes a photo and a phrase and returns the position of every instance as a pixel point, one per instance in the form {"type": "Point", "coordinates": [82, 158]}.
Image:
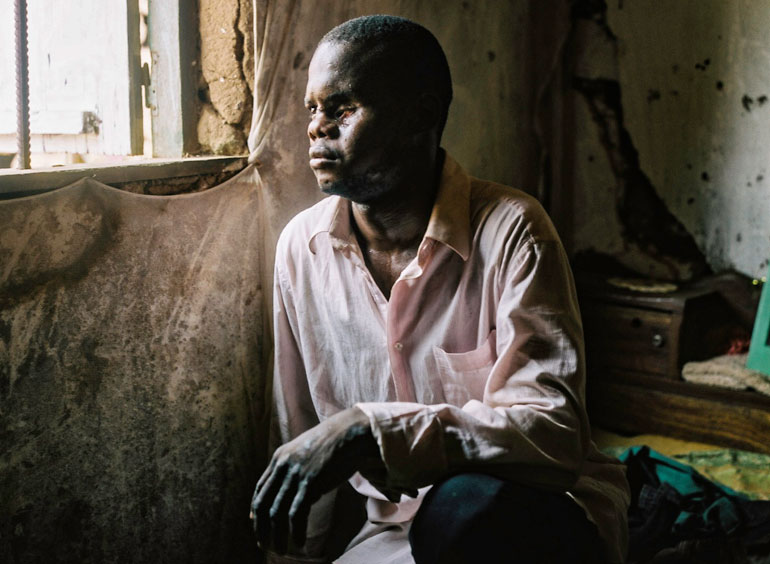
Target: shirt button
{"type": "Point", "coordinates": [398, 346]}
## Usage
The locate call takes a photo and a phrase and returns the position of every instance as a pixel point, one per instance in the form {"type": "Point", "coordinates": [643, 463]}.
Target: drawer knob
{"type": "Point", "coordinates": [658, 340]}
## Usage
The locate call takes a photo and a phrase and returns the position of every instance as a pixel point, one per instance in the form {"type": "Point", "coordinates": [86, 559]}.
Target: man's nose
{"type": "Point", "coordinates": [321, 126]}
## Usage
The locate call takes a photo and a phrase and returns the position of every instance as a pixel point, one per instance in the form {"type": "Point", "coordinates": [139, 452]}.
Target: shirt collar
{"type": "Point", "coordinates": [449, 221]}
{"type": "Point", "coordinates": [334, 220]}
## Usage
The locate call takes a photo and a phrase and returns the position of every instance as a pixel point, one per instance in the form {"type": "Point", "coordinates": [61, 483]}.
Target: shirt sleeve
{"type": "Point", "coordinates": [531, 425]}
{"type": "Point", "coordinates": [293, 413]}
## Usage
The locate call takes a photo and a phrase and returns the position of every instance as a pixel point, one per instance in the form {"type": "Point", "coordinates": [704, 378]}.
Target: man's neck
{"type": "Point", "coordinates": [397, 223]}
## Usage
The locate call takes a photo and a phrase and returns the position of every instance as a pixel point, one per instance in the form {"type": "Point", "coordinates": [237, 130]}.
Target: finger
{"type": "Point", "coordinates": [265, 475]}
{"type": "Point", "coordinates": [298, 514]}
{"type": "Point", "coordinates": [278, 514]}
{"type": "Point", "coordinates": [263, 499]}
{"type": "Point", "coordinates": [261, 496]}
{"type": "Point", "coordinates": [253, 508]}
{"type": "Point", "coordinates": [259, 487]}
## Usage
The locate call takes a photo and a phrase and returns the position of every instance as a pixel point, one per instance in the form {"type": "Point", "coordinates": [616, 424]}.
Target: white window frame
{"type": "Point", "coordinates": [172, 33]}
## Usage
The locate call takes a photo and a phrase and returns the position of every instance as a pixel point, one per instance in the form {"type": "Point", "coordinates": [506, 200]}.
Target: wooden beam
{"type": "Point", "coordinates": [172, 32]}
{"type": "Point", "coordinates": [134, 77]}
{"type": "Point", "coordinates": [640, 403]}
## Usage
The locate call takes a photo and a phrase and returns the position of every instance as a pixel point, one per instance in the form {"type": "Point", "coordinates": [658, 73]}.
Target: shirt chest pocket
{"type": "Point", "coordinates": [464, 375]}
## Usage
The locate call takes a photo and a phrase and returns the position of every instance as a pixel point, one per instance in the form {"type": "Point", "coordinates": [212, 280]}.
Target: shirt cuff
{"type": "Point", "coordinates": [411, 441]}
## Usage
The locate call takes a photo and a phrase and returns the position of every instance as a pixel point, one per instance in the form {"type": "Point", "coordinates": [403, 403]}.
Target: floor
{"type": "Point", "coordinates": [744, 471]}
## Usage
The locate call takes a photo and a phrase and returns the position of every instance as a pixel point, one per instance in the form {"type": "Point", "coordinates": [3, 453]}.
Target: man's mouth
{"type": "Point", "coordinates": [322, 157]}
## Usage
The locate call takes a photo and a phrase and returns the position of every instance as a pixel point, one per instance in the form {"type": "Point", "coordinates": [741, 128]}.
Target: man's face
{"type": "Point", "coordinates": [358, 148]}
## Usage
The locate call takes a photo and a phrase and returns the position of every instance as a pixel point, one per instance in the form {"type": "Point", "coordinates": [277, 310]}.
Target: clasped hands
{"type": "Point", "coordinates": [304, 469]}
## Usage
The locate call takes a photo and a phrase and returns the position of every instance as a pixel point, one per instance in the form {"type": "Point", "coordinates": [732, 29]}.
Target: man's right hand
{"type": "Point", "coordinates": [304, 469]}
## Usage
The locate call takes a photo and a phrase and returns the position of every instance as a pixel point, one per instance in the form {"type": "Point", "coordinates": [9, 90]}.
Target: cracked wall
{"type": "Point", "coordinates": [671, 133]}
{"type": "Point", "coordinates": [227, 75]}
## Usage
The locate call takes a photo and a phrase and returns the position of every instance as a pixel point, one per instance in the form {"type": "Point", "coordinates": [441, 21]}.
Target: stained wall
{"type": "Point", "coordinates": [693, 80]}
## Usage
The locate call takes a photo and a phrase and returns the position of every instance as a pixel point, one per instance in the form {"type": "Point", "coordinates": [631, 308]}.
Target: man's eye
{"type": "Point", "coordinates": [342, 113]}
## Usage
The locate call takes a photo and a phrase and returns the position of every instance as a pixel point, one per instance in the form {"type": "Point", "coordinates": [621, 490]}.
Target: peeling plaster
{"type": "Point", "coordinates": [703, 149]}
{"type": "Point", "coordinates": [693, 109]}
{"type": "Point", "coordinates": [647, 225]}
{"type": "Point", "coordinates": [646, 221]}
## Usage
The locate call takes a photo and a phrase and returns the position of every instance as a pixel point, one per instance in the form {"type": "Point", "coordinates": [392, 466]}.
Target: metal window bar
{"type": "Point", "coordinates": [22, 84]}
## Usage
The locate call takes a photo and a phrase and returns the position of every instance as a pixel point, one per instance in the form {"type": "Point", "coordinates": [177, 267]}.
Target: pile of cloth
{"type": "Point", "coordinates": [677, 515]}
{"type": "Point", "coordinates": [727, 371]}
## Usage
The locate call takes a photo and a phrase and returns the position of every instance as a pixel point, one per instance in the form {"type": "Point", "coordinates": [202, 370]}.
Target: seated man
{"type": "Point", "coordinates": [428, 344]}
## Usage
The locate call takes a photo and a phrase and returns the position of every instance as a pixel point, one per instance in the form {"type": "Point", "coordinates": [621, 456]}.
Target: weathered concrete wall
{"type": "Point", "coordinates": [692, 82]}
{"type": "Point", "coordinates": [227, 75]}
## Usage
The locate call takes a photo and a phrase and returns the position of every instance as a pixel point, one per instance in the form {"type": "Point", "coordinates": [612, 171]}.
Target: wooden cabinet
{"type": "Point", "coordinates": [636, 345]}
{"type": "Point", "coordinates": [652, 333]}
{"type": "Point", "coordinates": [635, 339]}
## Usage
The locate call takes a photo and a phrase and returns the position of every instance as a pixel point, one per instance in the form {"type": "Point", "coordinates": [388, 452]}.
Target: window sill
{"type": "Point", "coordinates": [16, 183]}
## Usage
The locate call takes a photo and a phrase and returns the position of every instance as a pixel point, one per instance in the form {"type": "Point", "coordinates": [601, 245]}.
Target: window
{"type": "Point", "coordinates": [85, 97]}
{"type": "Point", "coordinates": [92, 65]}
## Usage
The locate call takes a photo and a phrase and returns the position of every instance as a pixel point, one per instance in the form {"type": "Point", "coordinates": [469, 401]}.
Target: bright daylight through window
{"type": "Point", "coordinates": [85, 82]}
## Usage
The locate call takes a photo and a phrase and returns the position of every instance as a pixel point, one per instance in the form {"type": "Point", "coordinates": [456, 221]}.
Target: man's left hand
{"type": "Point", "coordinates": [302, 470]}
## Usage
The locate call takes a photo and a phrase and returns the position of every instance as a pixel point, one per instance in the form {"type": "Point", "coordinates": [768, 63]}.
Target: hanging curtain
{"type": "Point", "coordinates": [132, 371]}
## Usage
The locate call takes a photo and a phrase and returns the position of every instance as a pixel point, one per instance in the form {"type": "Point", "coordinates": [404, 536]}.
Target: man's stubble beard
{"type": "Point", "coordinates": [363, 188]}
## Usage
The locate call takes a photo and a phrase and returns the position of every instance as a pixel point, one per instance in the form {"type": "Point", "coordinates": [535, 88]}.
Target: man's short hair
{"type": "Point", "coordinates": [418, 51]}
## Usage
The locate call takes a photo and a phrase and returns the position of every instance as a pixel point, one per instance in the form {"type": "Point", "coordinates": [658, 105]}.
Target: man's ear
{"type": "Point", "coordinates": [428, 111]}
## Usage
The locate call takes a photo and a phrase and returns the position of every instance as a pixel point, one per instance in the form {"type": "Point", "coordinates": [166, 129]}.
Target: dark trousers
{"type": "Point", "coordinates": [477, 518]}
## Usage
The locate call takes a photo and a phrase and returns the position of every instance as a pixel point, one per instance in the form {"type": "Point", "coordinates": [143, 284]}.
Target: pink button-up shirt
{"type": "Point", "coordinates": [481, 339]}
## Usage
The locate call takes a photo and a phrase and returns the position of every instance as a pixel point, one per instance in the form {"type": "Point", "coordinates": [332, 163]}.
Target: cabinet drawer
{"type": "Point", "coordinates": [635, 339]}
